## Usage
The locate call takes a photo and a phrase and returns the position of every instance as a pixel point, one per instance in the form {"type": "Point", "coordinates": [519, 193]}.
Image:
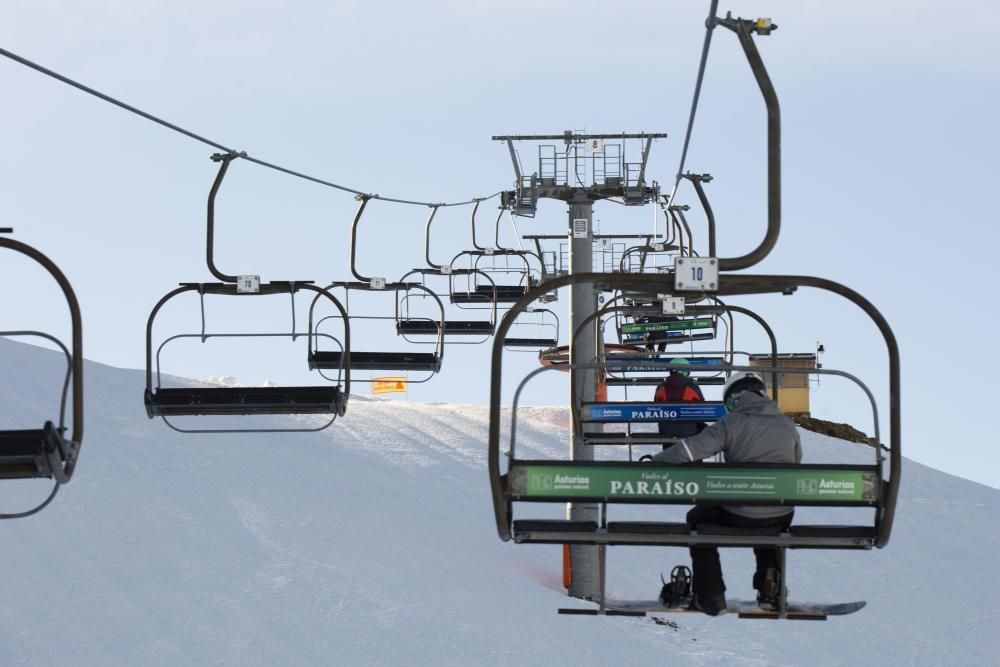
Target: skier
{"type": "Point", "coordinates": [678, 388]}
{"type": "Point", "coordinates": [753, 431]}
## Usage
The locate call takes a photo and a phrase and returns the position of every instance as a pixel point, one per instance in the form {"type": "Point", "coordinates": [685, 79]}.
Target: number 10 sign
{"type": "Point", "coordinates": [696, 274]}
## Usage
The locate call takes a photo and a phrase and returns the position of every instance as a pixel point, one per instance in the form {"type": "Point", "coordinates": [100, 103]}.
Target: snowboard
{"type": "Point", "coordinates": [816, 611]}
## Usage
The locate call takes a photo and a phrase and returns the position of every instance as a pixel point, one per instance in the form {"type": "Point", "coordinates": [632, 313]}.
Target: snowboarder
{"type": "Point", "coordinates": [753, 431]}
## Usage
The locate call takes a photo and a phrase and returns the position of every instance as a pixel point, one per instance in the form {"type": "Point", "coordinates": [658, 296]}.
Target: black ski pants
{"type": "Point", "coordinates": [706, 571]}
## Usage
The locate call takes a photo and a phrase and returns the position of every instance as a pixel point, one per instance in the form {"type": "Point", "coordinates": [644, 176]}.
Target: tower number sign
{"type": "Point", "coordinates": [696, 274]}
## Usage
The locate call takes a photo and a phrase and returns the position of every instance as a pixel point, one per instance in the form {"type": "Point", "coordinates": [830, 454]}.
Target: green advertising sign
{"type": "Point", "coordinates": [688, 483]}
{"type": "Point", "coordinates": [673, 325]}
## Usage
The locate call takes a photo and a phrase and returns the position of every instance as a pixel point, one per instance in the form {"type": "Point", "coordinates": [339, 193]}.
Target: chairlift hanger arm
{"type": "Point", "coordinates": [682, 226]}
{"type": "Point", "coordinates": [697, 180]}
{"type": "Point", "coordinates": [76, 438]}
{"type": "Point", "coordinates": [709, 28]}
{"type": "Point", "coordinates": [224, 159]}
{"type": "Point", "coordinates": [670, 239]}
{"type": "Point", "coordinates": [354, 237]}
{"type": "Point", "coordinates": [770, 335]}
{"type": "Point", "coordinates": [427, 239]}
{"type": "Point", "coordinates": [496, 233]}
{"type": "Point", "coordinates": [744, 30]}
{"type": "Point", "coordinates": [474, 210]}
{"type": "Point", "coordinates": [683, 218]}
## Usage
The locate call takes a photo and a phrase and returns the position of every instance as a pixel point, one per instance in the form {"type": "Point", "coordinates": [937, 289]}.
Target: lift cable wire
{"type": "Point", "coordinates": [226, 149]}
{"type": "Point", "coordinates": [709, 27]}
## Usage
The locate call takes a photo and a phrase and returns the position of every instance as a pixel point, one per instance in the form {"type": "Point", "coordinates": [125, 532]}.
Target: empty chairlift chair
{"type": "Point", "coordinates": [404, 360]}
{"type": "Point", "coordinates": [201, 401]}
{"type": "Point", "coordinates": [534, 330]}
{"type": "Point", "coordinates": [395, 360]}
{"type": "Point", "coordinates": [412, 318]}
{"type": "Point", "coordinates": [205, 401]}
{"type": "Point", "coordinates": [510, 272]}
{"type": "Point", "coordinates": [414, 321]}
{"type": "Point", "coordinates": [47, 452]}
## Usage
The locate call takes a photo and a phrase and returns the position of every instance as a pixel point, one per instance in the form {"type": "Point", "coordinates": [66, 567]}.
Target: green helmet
{"type": "Point", "coordinates": [679, 365]}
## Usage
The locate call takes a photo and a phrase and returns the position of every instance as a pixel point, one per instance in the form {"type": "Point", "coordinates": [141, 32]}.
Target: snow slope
{"type": "Point", "coordinates": [373, 543]}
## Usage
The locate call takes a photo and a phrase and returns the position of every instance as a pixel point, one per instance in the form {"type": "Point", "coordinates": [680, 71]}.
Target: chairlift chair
{"type": "Point", "coordinates": [167, 402]}
{"type": "Point", "coordinates": [545, 321]}
{"type": "Point", "coordinates": [509, 271]}
{"type": "Point", "coordinates": [199, 401]}
{"type": "Point", "coordinates": [410, 324]}
{"type": "Point", "coordinates": [873, 486]}
{"type": "Point", "coordinates": [403, 360]}
{"type": "Point", "coordinates": [509, 277]}
{"type": "Point", "coordinates": [47, 452]}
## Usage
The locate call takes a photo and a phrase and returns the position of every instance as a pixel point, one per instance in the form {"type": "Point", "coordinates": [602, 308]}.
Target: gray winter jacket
{"type": "Point", "coordinates": [754, 431]}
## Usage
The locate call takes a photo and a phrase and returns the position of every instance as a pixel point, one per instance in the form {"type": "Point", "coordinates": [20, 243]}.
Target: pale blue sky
{"type": "Point", "coordinates": [889, 160]}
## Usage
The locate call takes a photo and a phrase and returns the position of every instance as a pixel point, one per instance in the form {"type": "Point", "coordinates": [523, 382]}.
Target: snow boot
{"type": "Point", "coordinates": [712, 604]}
{"type": "Point", "coordinates": [768, 589]}
{"type": "Point", "coordinates": [677, 593]}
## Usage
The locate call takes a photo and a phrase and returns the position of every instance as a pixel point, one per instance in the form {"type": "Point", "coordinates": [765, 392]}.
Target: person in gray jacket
{"type": "Point", "coordinates": [753, 431]}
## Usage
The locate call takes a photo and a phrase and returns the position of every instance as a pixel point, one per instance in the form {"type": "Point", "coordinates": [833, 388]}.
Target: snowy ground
{"type": "Point", "coordinates": [374, 543]}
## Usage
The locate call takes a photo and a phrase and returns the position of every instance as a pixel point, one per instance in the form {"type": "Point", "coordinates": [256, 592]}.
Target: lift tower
{"type": "Point", "coordinates": [584, 169]}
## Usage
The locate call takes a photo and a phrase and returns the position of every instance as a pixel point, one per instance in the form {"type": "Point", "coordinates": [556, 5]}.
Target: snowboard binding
{"type": "Point", "coordinates": [677, 592]}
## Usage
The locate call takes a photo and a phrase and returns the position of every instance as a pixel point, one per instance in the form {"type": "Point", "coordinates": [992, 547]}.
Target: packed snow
{"type": "Point", "coordinates": [373, 542]}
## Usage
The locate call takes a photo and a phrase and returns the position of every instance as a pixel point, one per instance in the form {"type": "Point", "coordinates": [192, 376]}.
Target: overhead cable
{"type": "Point", "coordinates": [221, 147]}
{"type": "Point", "coordinates": [709, 27]}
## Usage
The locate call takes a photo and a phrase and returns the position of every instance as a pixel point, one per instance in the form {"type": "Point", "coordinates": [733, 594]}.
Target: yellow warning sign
{"type": "Point", "coordinates": [389, 385]}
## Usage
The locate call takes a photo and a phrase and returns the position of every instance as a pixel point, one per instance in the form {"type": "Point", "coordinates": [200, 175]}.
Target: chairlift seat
{"type": "Point", "coordinates": [544, 343]}
{"type": "Point", "coordinates": [471, 297]}
{"type": "Point", "coordinates": [177, 401]}
{"type": "Point", "coordinates": [30, 453]}
{"type": "Point", "coordinates": [505, 293]}
{"type": "Point", "coordinates": [421, 327]}
{"type": "Point", "coordinates": [377, 361]}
